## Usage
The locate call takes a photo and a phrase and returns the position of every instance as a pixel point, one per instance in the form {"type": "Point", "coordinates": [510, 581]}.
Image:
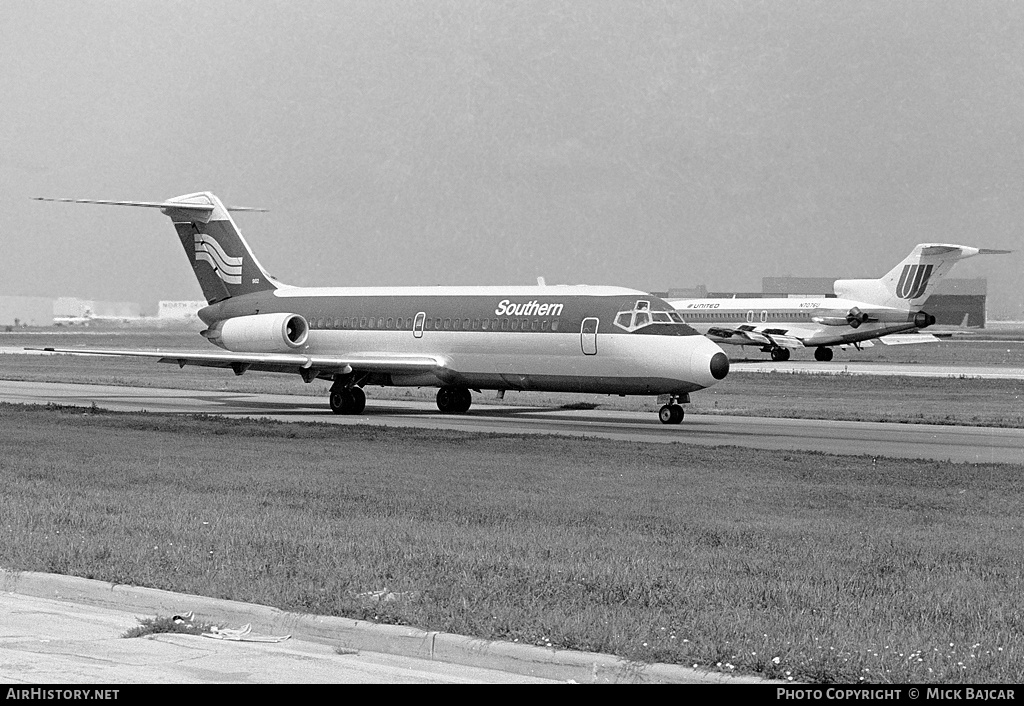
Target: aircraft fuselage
{"type": "Point", "coordinates": [554, 339]}
{"type": "Point", "coordinates": [817, 321]}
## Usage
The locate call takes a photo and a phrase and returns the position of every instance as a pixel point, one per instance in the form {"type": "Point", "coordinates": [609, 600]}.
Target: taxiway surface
{"type": "Point", "coordinates": [934, 442]}
{"type": "Point", "coordinates": [974, 372]}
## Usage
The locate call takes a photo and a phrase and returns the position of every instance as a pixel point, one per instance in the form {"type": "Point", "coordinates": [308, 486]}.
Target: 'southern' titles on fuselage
{"type": "Point", "coordinates": [531, 308]}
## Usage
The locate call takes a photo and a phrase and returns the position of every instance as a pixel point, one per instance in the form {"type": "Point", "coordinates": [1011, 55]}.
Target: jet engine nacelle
{"type": "Point", "coordinates": [856, 317]}
{"type": "Point", "coordinates": [260, 333]}
{"type": "Point", "coordinates": [830, 320]}
{"type": "Point", "coordinates": [923, 320]}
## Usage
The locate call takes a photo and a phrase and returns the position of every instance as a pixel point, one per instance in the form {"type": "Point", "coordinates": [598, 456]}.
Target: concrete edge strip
{"type": "Point", "coordinates": [529, 660]}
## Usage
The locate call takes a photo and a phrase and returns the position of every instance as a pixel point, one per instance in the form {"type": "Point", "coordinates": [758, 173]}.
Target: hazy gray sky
{"type": "Point", "coordinates": [648, 144]}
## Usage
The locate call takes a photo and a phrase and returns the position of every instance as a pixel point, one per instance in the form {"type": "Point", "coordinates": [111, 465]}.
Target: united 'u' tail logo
{"type": "Point", "coordinates": [228, 268]}
{"type": "Point", "coordinates": [913, 281]}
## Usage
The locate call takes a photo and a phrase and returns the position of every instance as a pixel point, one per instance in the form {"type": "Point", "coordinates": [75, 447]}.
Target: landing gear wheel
{"type": "Point", "coordinates": [780, 354]}
{"type": "Point", "coordinates": [823, 354]}
{"type": "Point", "coordinates": [671, 414]}
{"type": "Point", "coordinates": [340, 400]}
{"type": "Point", "coordinates": [454, 400]}
{"type": "Point", "coordinates": [358, 400]}
{"type": "Point", "coordinates": [348, 400]}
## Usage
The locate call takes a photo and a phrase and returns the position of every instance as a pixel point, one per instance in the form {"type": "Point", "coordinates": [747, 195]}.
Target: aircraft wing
{"type": "Point", "coordinates": [908, 339]}
{"type": "Point", "coordinates": [750, 335]}
{"type": "Point", "coordinates": [309, 366]}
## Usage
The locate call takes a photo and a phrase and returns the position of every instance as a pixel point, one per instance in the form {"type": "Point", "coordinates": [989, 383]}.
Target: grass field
{"type": "Point", "coordinates": [805, 566]}
{"type": "Point", "coordinates": [790, 565]}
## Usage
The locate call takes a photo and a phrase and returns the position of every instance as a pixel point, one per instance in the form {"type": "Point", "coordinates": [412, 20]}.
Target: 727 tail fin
{"type": "Point", "coordinates": [911, 282]}
{"type": "Point", "coordinates": [220, 257]}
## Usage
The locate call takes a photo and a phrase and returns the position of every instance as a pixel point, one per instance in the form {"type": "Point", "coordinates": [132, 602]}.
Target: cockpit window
{"type": "Point", "coordinates": [643, 315]}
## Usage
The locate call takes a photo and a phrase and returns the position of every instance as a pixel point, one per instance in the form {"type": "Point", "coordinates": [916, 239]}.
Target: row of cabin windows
{"type": "Point", "coordinates": [401, 323]}
{"type": "Point", "coordinates": [749, 316]}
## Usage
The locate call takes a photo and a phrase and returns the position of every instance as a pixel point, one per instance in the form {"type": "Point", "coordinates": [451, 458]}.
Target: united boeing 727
{"type": "Point", "coordinates": [586, 339]}
{"type": "Point", "coordinates": [864, 309]}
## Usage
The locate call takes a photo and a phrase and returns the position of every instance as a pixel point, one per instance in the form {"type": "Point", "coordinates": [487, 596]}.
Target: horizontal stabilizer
{"type": "Point", "coordinates": [178, 205]}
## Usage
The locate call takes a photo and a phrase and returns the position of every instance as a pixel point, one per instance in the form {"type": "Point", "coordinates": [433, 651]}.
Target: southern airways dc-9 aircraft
{"type": "Point", "coordinates": [606, 340]}
{"type": "Point", "coordinates": [865, 309]}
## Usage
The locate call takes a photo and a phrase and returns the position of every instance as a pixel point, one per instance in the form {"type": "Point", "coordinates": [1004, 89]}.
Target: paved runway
{"type": "Point", "coordinates": [979, 372]}
{"type": "Point", "coordinates": [956, 443]}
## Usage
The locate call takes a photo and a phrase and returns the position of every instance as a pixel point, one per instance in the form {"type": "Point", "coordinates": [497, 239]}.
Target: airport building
{"type": "Point", "coordinates": [73, 307]}
{"type": "Point", "coordinates": [179, 310]}
{"type": "Point", "coordinates": [47, 311]}
{"type": "Point", "coordinates": [950, 303]}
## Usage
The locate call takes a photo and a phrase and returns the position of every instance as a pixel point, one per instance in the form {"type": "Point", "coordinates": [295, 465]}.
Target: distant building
{"type": "Point", "coordinates": [26, 311]}
{"type": "Point", "coordinates": [74, 308]}
{"type": "Point", "coordinates": [799, 286]}
{"type": "Point", "coordinates": [698, 292]}
{"type": "Point", "coordinates": [180, 310]}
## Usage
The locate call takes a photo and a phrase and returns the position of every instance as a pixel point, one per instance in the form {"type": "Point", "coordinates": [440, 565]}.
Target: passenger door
{"type": "Point", "coordinates": [588, 336]}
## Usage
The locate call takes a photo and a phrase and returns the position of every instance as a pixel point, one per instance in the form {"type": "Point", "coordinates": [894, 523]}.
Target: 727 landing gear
{"type": "Point", "coordinates": [347, 400]}
{"type": "Point", "coordinates": [452, 399]}
{"type": "Point", "coordinates": [671, 413]}
{"type": "Point", "coordinates": [780, 354]}
{"type": "Point", "coordinates": [823, 354]}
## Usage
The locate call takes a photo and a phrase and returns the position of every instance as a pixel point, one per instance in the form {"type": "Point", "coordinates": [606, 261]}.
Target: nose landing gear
{"type": "Point", "coordinates": [672, 411]}
{"type": "Point", "coordinates": [671, 414]}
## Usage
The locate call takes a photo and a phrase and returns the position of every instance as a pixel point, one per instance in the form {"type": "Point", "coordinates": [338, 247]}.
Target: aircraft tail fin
{"type": "Point", "coordinates": [220, 257]}
{"type": "Point", "coordinates": [911, 282]}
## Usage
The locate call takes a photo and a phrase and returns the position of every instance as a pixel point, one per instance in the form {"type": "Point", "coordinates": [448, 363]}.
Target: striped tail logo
{"type": "Point", "coordinates": [913, 281]}
{"type": "Point", "coordinates": [227, 268]}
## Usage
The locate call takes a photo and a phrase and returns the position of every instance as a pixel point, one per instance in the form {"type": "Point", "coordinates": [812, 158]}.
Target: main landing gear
{"type": "Point", "coordinates": [347, 400]}
{"type": "Point", "coordinates": [823, 354]}
{"type": "Point", "coordinates": [454, 400]}
{"type": "Point", "coordinates": [780, 354]}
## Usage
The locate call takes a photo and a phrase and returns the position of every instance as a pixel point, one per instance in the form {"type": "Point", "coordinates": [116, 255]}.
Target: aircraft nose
{"type": "Point", "coordinates": [708, 362]}
{"type": "Point", "coordinates": [719, 365]}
